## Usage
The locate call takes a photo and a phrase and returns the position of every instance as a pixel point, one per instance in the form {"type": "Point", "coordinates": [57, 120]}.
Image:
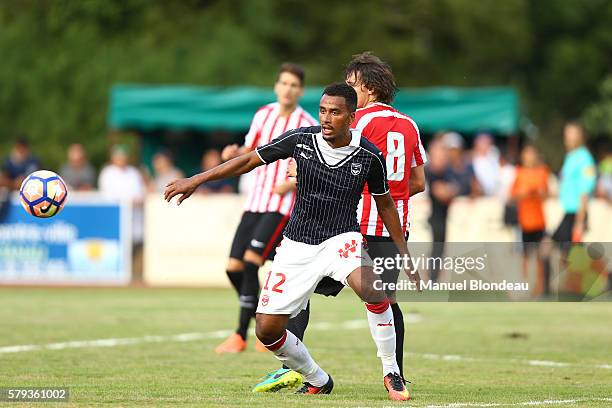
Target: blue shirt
{"type": "Point", "coordinates": [577, 178]}
{"type": "Point", "coordinates": [20, 169]}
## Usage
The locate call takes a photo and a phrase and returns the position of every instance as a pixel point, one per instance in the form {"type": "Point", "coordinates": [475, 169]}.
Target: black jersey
{"type": "Point", "coordinates": [329, 181]}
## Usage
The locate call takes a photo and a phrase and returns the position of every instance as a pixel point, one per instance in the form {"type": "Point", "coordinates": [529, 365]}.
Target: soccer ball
{"type": "Point", "coordinates": [43, 194]}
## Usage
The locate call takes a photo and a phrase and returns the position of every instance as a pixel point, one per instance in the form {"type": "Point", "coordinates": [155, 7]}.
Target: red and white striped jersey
{"type": "Point", "coordinates": [397, 136]}
{"type": "Point", "coordinates": [267, 124]}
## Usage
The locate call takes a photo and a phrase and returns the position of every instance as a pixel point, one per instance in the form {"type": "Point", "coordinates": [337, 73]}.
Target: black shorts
{"type": "Point", "coordinates": [563, 234]}
{"type": "Point", "coordinates": [259, 232]}
{"type": "Point", "coordinates": [531, 239]}
{"type": "Point", "coordinates": [378, 247]}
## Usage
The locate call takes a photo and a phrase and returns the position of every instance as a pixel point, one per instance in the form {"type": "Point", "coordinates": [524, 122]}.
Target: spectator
{"type": "Point", "coordinates": [441, 192]}
{"type": "Point", "coordinates": [460, 170]}
{"type": "Point", "coordinates": [164, 171]}
{"type": "Point", "coordinates": [77, 172]}
{"type": "Point", "coordinates": [447, 176]}
{"type": "Point", "coordinates": [485, 162]}
{"type": "Point", "coordinates": [604, 185]}
{"type": "Point", "coordinates": [507, 175]}
{"type": "Point", "coordinates": [210, 159]}
{"type": "Point", "coordinates": [118, 180]}
{"type": "Point", "coordinates": [577, 184]}
{"type": "Point", "coordinates": [529, 190]}
{"type": "Point", "coordinates": [19, 164]}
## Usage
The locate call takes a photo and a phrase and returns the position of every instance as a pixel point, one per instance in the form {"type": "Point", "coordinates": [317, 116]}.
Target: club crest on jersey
{"type": "Point", "coordinates": [355, 168]}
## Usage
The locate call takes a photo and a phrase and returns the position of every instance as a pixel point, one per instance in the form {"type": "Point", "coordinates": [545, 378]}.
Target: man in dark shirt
{"type": "Point", "coordinates": [19, 164]}
{"type": "Point", "coordinates": [448, 176]}
{"type": "Point", "coordinates": [322, 237]}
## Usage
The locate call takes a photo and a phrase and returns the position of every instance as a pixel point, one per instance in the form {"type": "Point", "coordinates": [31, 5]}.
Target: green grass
{"type": "Point", "coordinates": [498, 337]}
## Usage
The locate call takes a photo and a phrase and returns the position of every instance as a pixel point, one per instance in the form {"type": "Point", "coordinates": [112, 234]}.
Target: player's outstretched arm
{"type": "Point", "coordinates": [388, 213]}
{"type": "Point", "coordinates": [235, 167]}
{"type": "Point", "coordinates": [232, 151]}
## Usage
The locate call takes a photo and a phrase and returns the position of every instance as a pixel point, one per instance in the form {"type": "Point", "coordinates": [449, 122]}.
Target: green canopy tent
{"type": "Point", "coordinates": [148, 108]}
{"type": "Point", "coordinates": [464, 110]}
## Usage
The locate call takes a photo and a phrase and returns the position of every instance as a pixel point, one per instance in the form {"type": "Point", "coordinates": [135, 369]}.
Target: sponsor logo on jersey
{"type": "Point", "coordinates": [305, 147]}
{"type": "Point", "coordinates": [347, 249]}
{"type": "Point", "coordinates": [306, 156]}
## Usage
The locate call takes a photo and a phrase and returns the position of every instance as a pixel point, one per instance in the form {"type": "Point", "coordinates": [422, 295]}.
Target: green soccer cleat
{"type": "Point", "coordinates": [277, 380]}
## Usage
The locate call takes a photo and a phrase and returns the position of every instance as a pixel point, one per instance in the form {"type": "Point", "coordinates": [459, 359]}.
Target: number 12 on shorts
{"type": "Point", "coordinates": [276, 287]}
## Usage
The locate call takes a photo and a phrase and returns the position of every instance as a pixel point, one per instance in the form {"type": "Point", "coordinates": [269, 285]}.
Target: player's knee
{"type": "Point", "coordinates": [267, 333]}
{"type": "Point", "coordinates": [253, 257]}
{"type": "Point", "coordinates": [372, 295]}
{"type": "Point", "coordinates": [235, 265]}
{"type": "Point", "coordinates": [375, 298]}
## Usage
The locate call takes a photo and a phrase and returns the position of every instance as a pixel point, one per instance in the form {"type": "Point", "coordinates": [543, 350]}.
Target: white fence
{"type": "Point", "coordinates": [189, 245]}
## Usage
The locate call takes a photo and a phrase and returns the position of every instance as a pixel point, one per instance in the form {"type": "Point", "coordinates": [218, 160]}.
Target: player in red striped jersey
{"type": "Point", "coordinates": [397, 136]}
{"type": "Point", "coordinates": [269, 202]}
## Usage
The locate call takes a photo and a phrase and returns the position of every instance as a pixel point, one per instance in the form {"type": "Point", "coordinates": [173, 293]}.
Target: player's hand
{"type": "Point", "coordinates": [281, 188]}
{"type": "Point", "coordinates": [292, 169]}
{"type": "Point", "coordinates": [185, 187]}
{"type": "Point", "coordinates": [414, 277]}
{"type": "Point", "coordinates": [229, 152]}
{"type": "Point", "coordinates": [284, 187]}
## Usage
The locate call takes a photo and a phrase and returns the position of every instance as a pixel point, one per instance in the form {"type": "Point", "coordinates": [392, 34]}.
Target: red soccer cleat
{"type": "Point", "coordinates": [394, 383]}
{"type": "Point", "coordinates": [308, 388]}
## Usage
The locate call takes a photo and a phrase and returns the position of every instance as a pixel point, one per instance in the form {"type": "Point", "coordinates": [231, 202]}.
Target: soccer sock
{"type": "Point", "coordinates": [380, 319]}
{"type": "Point", "coordinates": [235, 277]}
{"type": "Point", "coordinates": [297, 325]}
{"type": "Point", "coordinates": [398, 320]}
{"type": "Point", "coordinates": [248, 297]}
{"type": "Point", "coordinates": [293, 353]}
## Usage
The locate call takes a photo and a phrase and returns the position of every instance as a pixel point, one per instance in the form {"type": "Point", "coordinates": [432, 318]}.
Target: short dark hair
{"type": "Point", "coordinates": [22, 140]}
{"type": "Point", "coordinates": [294, 69]}
{"type": "Point", "coordinates": [375, 74]}
{"type": "Point", "coordinates": [345, 91]}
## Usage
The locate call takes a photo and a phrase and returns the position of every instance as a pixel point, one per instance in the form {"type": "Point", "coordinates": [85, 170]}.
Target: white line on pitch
{"type": "Point", "coordinates": [535, 363]}
{"type": "Point", "coordinates": [317, 326]}
{"type": "Point", "coordinates": [514, 404]}
{"type": "Point", "coordinates": [113, 342]}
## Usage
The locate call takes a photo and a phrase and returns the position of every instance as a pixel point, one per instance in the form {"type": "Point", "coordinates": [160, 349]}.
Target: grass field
{"type": "Point", "coordinates": [478, 354]}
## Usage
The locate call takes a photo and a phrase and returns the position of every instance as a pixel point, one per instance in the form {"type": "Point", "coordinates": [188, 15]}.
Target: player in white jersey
{"type": "Point", "coordinates": [269, 202]}
{"type": "Point", "coordinates": [397, 136]}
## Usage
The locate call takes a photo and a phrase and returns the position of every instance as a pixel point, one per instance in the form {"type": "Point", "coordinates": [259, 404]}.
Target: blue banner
{"type": "Point", "coordinates": [88, 242]}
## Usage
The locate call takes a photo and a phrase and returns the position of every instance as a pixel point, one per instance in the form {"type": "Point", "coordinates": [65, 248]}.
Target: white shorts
{"type": "Point", "coordinates": [297, 269]}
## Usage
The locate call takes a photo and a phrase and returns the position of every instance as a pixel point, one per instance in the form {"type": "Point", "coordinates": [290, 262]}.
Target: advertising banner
{"type": "Point", "coordinates": [88, 242]}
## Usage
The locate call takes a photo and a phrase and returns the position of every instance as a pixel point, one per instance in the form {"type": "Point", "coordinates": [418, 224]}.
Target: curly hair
{"type": "Point", "coordinates": [374, 74]}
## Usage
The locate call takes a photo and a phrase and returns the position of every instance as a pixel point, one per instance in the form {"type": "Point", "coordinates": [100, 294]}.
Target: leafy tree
{"type": "Point", "coordinates": [61, 57]}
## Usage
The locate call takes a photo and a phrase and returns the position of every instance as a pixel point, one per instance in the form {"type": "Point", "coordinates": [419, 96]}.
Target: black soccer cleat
{"type": "Point", "coordinates": [308, 388]}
